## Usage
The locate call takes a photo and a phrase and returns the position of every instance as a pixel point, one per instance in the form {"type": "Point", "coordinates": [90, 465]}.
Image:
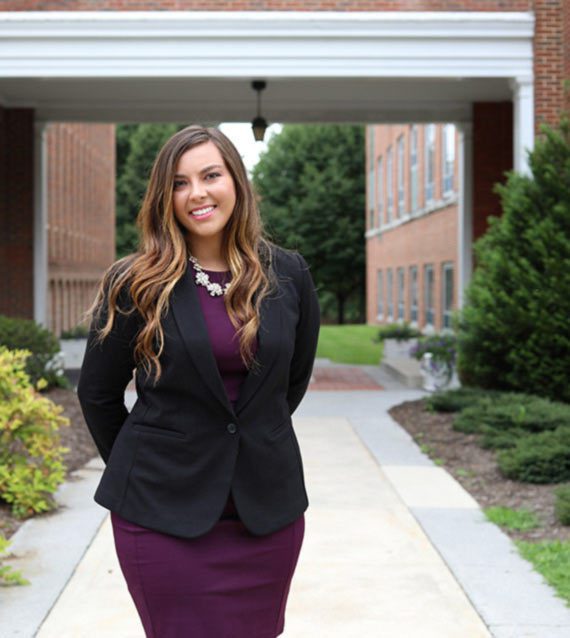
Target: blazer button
{"type": "Point", "coordinates": [232, 428]}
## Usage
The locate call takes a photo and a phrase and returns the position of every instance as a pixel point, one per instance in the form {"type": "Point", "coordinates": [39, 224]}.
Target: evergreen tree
{"type": "Point", "coordinates": [311, 187]}
{"type": "Point", "coordinates": [514, 330]}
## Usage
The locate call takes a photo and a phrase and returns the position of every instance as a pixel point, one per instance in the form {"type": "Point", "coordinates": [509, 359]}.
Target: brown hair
{"type": "Point", "coordinates": [151, 273]}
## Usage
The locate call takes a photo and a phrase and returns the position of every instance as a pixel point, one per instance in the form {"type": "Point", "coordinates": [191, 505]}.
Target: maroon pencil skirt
{"type": "Point", "coordinates": [227, 583]}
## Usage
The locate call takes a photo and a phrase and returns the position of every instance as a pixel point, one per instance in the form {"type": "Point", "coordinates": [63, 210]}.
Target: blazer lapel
{"type": "Point", "coordinates": [187, 312]}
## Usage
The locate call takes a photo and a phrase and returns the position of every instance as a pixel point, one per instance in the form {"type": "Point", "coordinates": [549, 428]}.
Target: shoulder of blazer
{"type": "Point", "coordinates": [289, 263]}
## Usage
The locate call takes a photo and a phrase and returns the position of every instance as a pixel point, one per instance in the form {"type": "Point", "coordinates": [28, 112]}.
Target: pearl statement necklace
{"type": "Point", "coordinates": [203, 279]}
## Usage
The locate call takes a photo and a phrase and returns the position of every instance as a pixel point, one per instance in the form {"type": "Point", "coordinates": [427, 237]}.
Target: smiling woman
{"type": "Point", "coordinates": [204, 477]}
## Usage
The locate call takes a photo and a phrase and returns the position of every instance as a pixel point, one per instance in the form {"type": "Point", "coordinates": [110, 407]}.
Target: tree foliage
{"type": "Point", "coordinates": [514, 330]}
{"type": "Point", "coordinates": [137, 148]}
{"type": "Point", "coordinates": [310, 182]}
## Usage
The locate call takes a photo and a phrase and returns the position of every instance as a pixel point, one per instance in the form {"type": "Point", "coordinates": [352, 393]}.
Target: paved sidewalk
{"type": "Point", "coordinates": [394, 547]}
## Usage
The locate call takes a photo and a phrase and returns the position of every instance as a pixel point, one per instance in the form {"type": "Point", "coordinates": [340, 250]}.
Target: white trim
{"type": "Point", "coordinates": [227, 44]}
{"type": "Point", "coordinates": [40, 225]}
{"type": "Point", "coordinates": [523, 134]}
{"type": "Point", "coordinates": [465, 210]}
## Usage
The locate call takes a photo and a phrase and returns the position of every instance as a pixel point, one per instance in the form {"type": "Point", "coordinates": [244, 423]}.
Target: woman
{"type": "Point", "coordinates": [204, 477]}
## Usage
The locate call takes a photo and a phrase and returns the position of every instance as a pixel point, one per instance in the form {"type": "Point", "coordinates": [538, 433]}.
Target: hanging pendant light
{"type": "Point", "coordinates": [258, 124]}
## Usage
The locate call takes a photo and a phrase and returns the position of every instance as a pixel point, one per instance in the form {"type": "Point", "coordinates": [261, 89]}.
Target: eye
{"type": "Point", "coordinates": [177, 182]}
{"type": "Point", "coordinates": [215, 174]}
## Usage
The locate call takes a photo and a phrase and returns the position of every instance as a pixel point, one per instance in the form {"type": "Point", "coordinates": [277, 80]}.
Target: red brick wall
{"type": "Point", "coordinates": [550, 50]}
{"type": "Point", "coordinates": [81, 216]}
{"type": "Point", "coordinates": [17, 212]}
{"type": "Point", "coordinates": [266, 5]}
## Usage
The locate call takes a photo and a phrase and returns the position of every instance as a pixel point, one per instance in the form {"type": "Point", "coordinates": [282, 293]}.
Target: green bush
{"type": "Point", "coordinates": [456, 399]}
{"type": "Point", "coordinates": [513, 328]}
{"type": "Point", "coordinates": [492, 439]}
{"type": "Point", "coordinates": [562, 504]}
{"type": "Point", "coordinates": [398, 331]}
{"type": "Point", "coordinates": [7, 575]}
{"type": "Point", "coordinates": [513, 410]}
{"type": "Point", "coordinates": [80, 331]}
{"type": "Point", "coordinates": [31, 465]}
{"type": "Point", "coordinates": [538, 458]}
{"type": "Point", "coordinates": [43, 346]}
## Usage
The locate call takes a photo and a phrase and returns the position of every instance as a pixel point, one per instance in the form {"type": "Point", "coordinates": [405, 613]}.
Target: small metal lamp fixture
{"type": "Point", "coordinates": [259, 125]}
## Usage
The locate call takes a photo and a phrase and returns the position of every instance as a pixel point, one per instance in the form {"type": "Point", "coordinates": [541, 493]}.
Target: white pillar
{"type": "Point", "coordinates": [523, 134]}
{"type": "Point", "coordinates": [40, 225]}
{"type": "Point", "coordinates": [465, 209]}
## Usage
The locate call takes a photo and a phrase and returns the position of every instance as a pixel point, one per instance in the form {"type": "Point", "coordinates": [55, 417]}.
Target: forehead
{"type": "Point", "coordinates": [195, 159]}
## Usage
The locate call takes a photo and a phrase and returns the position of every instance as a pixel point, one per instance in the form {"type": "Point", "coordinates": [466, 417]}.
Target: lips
{"type": "Point", "coordinates": [203, 211]}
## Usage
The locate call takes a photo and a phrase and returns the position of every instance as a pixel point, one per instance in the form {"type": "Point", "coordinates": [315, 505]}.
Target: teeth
{"type": "Point", "coordinates": [203, 211]}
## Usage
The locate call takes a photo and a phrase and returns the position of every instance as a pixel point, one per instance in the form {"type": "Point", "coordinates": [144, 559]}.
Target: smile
{"type": "Point", "coordinates": [203, 212]}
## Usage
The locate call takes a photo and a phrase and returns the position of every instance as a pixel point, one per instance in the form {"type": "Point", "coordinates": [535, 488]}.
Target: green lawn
{"type": "Point", "coordinates": [350, 343]}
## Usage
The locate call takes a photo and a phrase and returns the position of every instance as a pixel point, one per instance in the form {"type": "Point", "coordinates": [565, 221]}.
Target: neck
{"type": "Point", "coordinates": [208, 252]}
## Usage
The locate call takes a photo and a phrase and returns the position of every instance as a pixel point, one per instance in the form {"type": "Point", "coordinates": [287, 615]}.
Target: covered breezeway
{"type": "Point", "coordinates": [361, 67]}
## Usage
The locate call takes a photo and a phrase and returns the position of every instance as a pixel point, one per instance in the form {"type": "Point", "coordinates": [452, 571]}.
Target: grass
{"type": "Point", "coordinates": [552, 560]}
{"type": "Point", "coordinates": [518, 520]}
{"type": "Point", "coordinates": [351, 343]}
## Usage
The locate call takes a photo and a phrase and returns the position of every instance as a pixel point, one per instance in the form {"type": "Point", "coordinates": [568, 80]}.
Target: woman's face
{"type": "Point", "coordinates": [202, 181]}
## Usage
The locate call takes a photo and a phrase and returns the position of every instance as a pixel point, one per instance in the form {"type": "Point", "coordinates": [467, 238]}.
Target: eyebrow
{"type": "Point", "coordinates": [206, 168]}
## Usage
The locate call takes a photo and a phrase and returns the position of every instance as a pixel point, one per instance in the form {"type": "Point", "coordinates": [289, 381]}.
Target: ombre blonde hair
{"type": "Point", "coordinates": [150, 274]}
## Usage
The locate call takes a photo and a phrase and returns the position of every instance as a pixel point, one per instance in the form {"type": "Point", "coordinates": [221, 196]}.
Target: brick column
{"type": "Point", "coordinates": [17, 212]}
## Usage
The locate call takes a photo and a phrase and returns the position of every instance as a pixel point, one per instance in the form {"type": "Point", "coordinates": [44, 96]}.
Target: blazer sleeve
{"type": "Point", "coordinates": [306, 339]}
{"type": "Point", "coordinates": [105, 373]}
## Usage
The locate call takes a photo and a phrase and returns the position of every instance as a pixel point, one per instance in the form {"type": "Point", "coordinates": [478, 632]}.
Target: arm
{"type": "Point", "coordinates": [105, 373]}
{"type": "Point", "coordinates": [307, 335]}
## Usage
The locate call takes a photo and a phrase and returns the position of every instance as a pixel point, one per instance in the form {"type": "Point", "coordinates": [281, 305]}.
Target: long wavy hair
{"type": "Point", "coordinates": [150, 274]}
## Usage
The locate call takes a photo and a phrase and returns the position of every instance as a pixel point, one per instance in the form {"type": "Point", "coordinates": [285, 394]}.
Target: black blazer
{"type": "Point", "coordinates": [171, 462]}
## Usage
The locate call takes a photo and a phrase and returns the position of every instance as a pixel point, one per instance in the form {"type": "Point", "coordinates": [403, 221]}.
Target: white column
{"type": "Point", "coordinates": [465, 209]}
{"type": "Point", "coordinates": [523, 134]}
{"type": "Point", "coordinates": [40, 225]}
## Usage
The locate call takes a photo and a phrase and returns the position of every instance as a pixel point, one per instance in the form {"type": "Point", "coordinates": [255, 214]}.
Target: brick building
{"type": "Point", "coordinates": [411, 237]}
{"type": "Point", "coordinates": [81, 216]}
{"type": "Point", "coordinates": [493, 68]}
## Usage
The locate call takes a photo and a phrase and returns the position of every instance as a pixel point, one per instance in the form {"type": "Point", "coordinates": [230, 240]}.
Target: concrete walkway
{"type": "Point", "coordinates": [394, 547]}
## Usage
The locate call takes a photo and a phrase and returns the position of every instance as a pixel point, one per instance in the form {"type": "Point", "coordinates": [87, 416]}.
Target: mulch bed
{"type": "Point", "coordinates": [76, 436]}
{"type": "Point", "coordinates": [477, 471]}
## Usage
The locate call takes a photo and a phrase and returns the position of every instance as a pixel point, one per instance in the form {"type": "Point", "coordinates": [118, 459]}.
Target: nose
{"type": "Point", "coordinates": [198, 191]}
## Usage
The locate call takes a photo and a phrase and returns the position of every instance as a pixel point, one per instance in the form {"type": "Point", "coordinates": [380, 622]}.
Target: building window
{"type": "Point", "coordinates": [371, 178]}
{"type": "Point", "coordinates": [400, 175]}
{"type": "Point", "coordinates": [414, 168]}
{"type": "Point", "coordinates": [380, 177]}
{"type": "Point", "coordinates": [414, 293]}
{"type": "Point", "coordinates": [447, 294]}
{"type": "Point", "coordinates": [429, 160]}
{"type": "Point", "coordinates": [390, 294]}
{"type": "Point", "coordinates": [428, 295]}
{"type": "Point", "coordinates": [380, 295]}
{"type": "Point", "coordinates": [401, 305]}
{"type": "Point", "coordinates": [389, 184]}
{"type": "Point", "coordinates": [448, 156]}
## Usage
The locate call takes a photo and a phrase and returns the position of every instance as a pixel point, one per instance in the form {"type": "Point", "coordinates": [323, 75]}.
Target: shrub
{"type": "Point", "coordinates": [398, 331]}
{"type": "Point", "coordinates": [78, 332]}
{"type": "Point", "coordinates": [513, 410]}
{"type": "Point", "coordinates": [539, 458]}
{"type": "Point", "coordinates": [31, 466]}
{"type": "Point", "coordinates": [562, 504]}
{"type": "Point", "coordinates": [7, 574]}
{"type": "Point", "coordinates": [456, 399]}
{"type": "Point", "coordinates": [513, 328]}
{"type": "Point", "coordinates": [43, 347]}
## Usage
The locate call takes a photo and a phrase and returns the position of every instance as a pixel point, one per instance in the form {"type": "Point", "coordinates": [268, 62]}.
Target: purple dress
{"type": "Point", "coordinates": [226, 583]}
